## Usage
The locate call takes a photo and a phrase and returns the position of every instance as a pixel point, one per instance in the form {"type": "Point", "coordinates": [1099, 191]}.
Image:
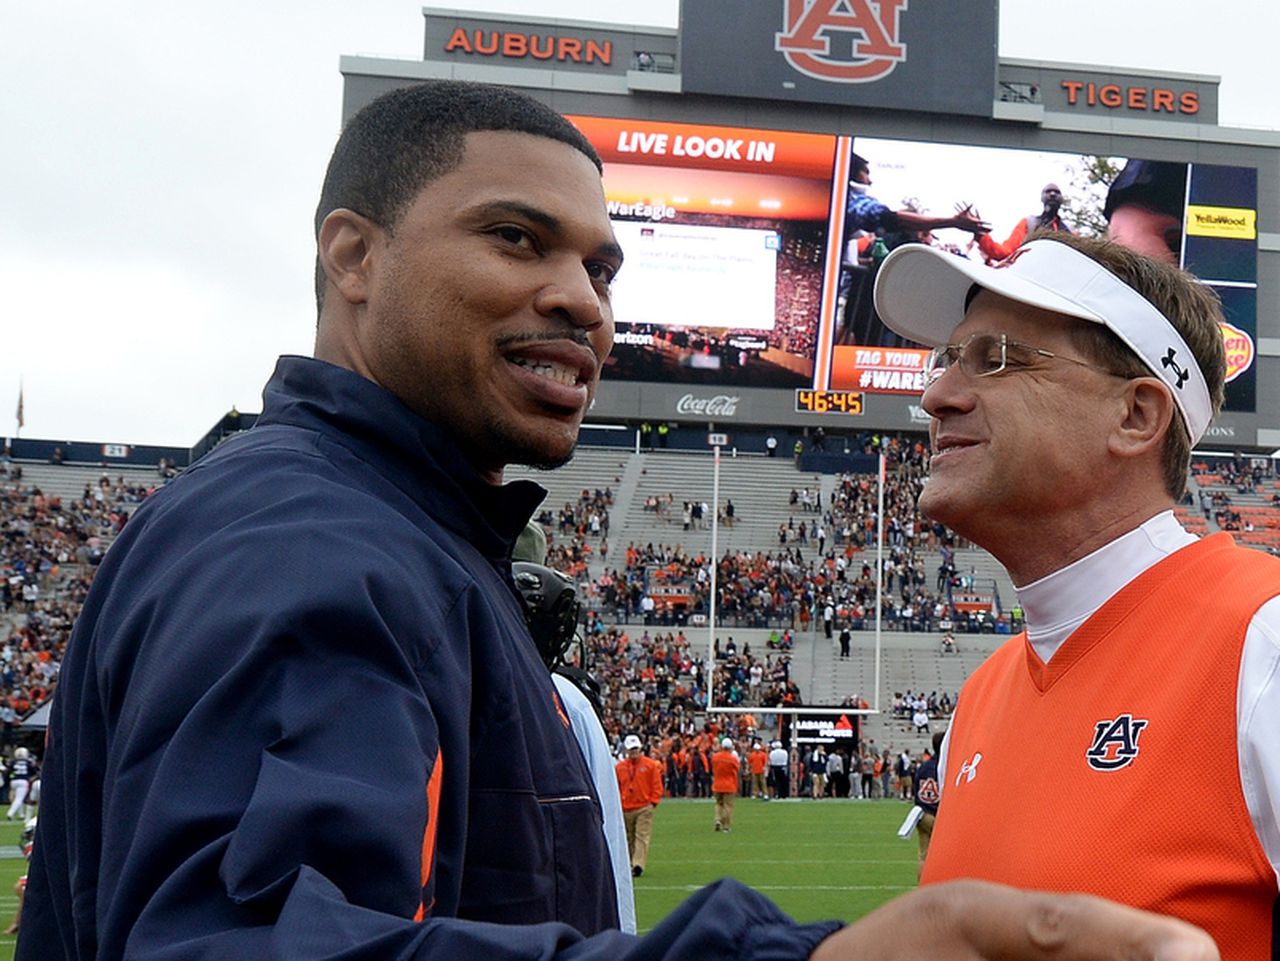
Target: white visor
{"type": "Point", "coordinates": [921, 292]}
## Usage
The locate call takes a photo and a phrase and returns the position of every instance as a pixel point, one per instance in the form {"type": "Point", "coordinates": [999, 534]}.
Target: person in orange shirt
{"type": "Point", "coordinates": [1047, 219]}
{"type": "Point", "coordinates": [758, 761]}
{"type": "Point", "coordinates": [640, 785]}
{"type": "Point", "coordinates": [725, 767]}
{"type": "Point", "coordinates": [678, 769]}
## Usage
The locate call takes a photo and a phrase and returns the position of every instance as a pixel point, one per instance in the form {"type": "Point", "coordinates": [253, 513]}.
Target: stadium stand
{"type": "Point", "coordinates": [624, 525]}
{"type": "Point", "coordinates": [56, 523]}
{"type": "Point", "coordinates": [1240, 495]}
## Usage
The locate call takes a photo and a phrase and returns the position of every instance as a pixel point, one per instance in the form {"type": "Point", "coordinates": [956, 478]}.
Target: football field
{"type": "Point", "coordinates": [816, 859]}
{"type": "Point", "coordinates": [12, 866]}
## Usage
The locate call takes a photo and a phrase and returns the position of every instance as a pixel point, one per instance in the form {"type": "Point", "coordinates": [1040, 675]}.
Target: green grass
{"type": "Point", "coordinates": [815, 859]}
{"type": "Point", "coordinates": [823, 859]}
{"type": "Point", "coordinates": [10, 870]}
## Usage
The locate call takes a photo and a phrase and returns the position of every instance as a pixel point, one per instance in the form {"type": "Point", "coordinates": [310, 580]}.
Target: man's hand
{"type": "Point", "coordinates": [977, 921]}
{"type": "Point", "coordinates": [967, 218]}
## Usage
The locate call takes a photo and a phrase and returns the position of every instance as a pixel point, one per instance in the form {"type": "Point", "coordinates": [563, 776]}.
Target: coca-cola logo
{"type": "Point", "coordinates": [721, 405]}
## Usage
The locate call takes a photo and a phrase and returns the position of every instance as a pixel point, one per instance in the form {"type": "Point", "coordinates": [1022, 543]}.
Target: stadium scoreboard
{"type": "Point", "coordinates": [753, 237]}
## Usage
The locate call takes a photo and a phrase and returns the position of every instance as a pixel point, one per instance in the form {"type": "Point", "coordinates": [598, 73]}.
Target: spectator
{"type": "Point", "coordinates": [640, 785]}
{"type": "Point", "coordinates": [725, 767]}
{"type": "Point", "coordinates": [817, 764]}
{"type": "Point", "coordinates": [779, 776]}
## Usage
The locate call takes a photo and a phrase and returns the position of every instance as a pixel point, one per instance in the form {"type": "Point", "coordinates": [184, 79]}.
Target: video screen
{"type": "Point", "coordinates": [752, 254]}
{"type": "Point", "coordinates": [727, 257]}
{"type": "Point", "coordinates": [1200, 217]}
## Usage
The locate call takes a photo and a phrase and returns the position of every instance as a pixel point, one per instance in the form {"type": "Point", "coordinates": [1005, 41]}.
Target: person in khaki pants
{"type": "Point", "coordinates": [640, 785]}
{"type": "Point", "coordinates": [725, 770]}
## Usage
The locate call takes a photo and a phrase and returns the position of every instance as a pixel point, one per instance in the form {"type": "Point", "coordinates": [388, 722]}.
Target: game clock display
{"type": "Point", "coordinates": [829, 402]}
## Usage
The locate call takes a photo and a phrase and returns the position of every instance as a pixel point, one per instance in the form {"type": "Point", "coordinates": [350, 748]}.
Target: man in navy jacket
{"type": "Point", "coordinates": [301, 716]}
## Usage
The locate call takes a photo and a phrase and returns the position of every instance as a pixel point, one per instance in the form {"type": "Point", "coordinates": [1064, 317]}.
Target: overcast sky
{"type": "Point", "coordinates": [161, 160]}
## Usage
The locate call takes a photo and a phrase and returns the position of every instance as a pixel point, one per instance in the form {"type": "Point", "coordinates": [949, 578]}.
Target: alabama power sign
{"type": "Point", "coordinates": [924, 55]}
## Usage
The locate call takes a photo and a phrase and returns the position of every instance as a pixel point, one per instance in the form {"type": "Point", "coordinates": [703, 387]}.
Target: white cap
{"type": "Point", "coordinates": [921, 292]}
{"type": "Point", "coordinates": [727, 743]}
{"type": "Point", "coordinates": [631, 741]}
{"type": "Point", "coordinates": [777, 744]}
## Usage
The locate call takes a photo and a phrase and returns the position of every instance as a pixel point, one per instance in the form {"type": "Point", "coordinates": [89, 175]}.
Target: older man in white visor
{"type": "Point", "coordinates": [1066, 388]}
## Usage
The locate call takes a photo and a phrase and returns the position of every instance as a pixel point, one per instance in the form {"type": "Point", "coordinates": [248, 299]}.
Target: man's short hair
{"type": "Point", "coordinates": [398, 143]}
{"type": "Point", "coordinates": [1192, 308]}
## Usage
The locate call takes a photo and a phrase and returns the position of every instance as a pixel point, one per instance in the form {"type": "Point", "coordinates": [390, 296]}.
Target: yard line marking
{"type": "Point", "coordinates": [640, 889]}
{"type": "Point", "coordinates": [741, 861]}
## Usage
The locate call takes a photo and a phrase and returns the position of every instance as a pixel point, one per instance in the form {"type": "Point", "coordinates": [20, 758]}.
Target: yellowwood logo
{"type": "Point", "coordinates": [1231, 223]}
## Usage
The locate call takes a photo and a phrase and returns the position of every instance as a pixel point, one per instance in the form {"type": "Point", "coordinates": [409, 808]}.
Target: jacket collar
{"type": "Point", "coordinates": [419, 457]}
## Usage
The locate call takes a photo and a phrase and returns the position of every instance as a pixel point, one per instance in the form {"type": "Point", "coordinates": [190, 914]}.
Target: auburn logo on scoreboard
{"type": "Point", "coordinates": [816, 34]}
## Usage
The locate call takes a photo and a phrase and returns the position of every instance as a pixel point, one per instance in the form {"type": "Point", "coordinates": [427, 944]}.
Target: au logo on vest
{"type": "Point", "coordinates": [810, 26]}
{"type": "Point", "coordinates": [1115, 743]}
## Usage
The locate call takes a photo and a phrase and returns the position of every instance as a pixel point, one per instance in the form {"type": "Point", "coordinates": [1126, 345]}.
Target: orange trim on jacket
{"type": "Point", "coordinates": [429, 833]}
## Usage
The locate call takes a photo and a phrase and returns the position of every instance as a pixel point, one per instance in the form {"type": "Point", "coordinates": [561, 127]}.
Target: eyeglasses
{"type": "Point", "coordinates": [985, 355]}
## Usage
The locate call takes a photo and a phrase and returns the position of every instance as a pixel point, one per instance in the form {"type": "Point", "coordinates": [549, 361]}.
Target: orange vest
{"type": "Point", "coordinates": [1082, 774]}
{"type": "Point", "coordinates": [725, 767]}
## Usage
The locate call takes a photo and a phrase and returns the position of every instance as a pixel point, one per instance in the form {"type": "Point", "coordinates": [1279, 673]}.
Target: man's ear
{"type": "Point", "coordinates": [346, 245]}
{"type": "Point", "coordinates": [1149, 413]}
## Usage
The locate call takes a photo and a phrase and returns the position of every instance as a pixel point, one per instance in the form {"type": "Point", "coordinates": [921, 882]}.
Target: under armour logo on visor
{"type": "Point", "coordinates": [1168, 361]}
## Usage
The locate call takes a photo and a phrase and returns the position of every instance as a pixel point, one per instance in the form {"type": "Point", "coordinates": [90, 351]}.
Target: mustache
{"type": "Point", "coordinates": [577, 337]}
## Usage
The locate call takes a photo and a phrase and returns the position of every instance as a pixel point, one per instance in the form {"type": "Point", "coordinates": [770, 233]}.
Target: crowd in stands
{"type": "Point", "coordinates": [818, 562]}
{"type": "Point", "coordinates": [1246, 474]}
{"type": "Point", "coordinates": [919, 707]}
{"type": "Point", "coordinates": [650, 684]}
{"type": "Point", "coordinates": [1241, 495]}
{"type": "Point", "coordinates": [744, 678]}
{"type": "Point", "coordinates": [571, 530]}
{"type": "Point", "coordinates": [653, 684]}
{"type": "Point", "coordinates": [49, 550]}
{"type": "Point", "coordinates": [653, 681]}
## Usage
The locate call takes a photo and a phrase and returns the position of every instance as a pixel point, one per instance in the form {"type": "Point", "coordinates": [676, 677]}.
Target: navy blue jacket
{"type": "Point", "coordinates": [925, 788]}
{"type": "Point", "coordinates": [300, 717]}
